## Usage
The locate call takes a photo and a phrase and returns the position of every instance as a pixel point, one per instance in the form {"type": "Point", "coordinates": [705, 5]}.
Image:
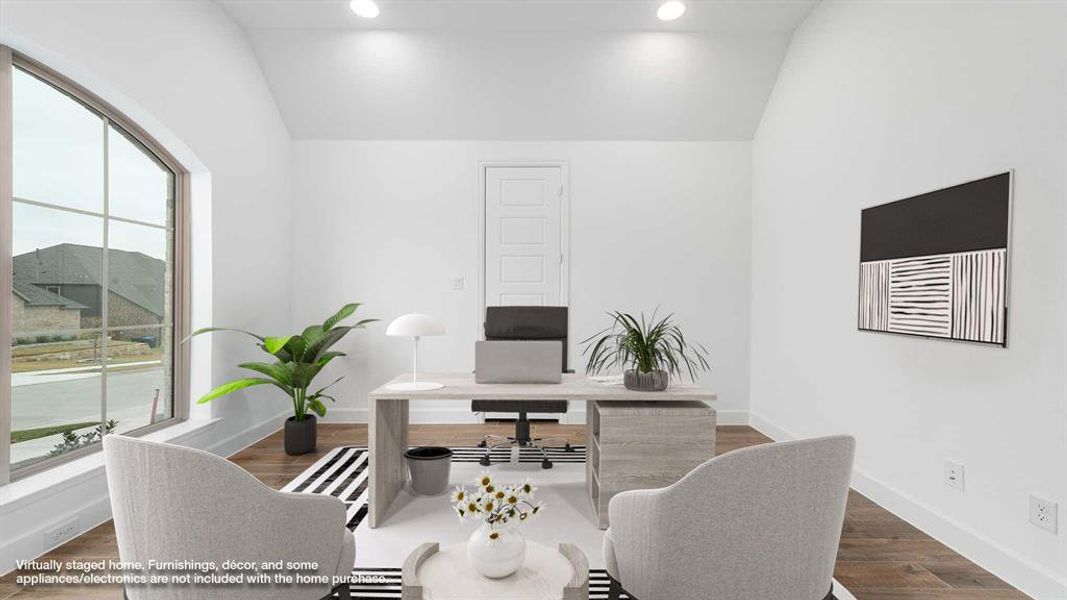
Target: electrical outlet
{"type": "Point", "coordinates": [1044, 513]}
{"type": "Point", "coordinates": [954, 474]}
{"type": "Point", "coordinates": [458, 283]}
{"type": "Point", "coordinates": [61, 533]}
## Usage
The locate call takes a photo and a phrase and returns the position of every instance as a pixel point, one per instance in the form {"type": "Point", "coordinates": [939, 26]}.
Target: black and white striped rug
{"type": "Point", "coordinates": [390, 587]}
{"type": "Point", "coordinates": [343, 472]}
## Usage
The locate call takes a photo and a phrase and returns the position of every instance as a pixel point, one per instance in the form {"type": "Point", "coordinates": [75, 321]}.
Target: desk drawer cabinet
{"type": "Point", "coordinates": [642, 445]}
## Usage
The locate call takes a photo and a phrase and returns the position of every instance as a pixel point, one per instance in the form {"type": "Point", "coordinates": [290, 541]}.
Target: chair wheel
{"type": "Point", "coordinates": [546, 464]}
{"type": "Point", "coordinates": [482, 444]}
{"type": "Point", "coordinates": [568, 448]}
{"type": "Point", "coordinates": [484, 461]}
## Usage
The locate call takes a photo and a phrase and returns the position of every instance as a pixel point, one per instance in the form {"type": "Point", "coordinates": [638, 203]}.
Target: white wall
{"type": "Point", "coordinates": [633, 85]}
{"type": "Point", "coordinates": [185, 72]}
{"type": "Point", "coordinates": [652, 223]}
{"type": "Point", "coordinates": [877, 102]}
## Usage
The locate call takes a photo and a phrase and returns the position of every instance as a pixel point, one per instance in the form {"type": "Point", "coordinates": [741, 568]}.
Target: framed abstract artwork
{"type": "Point", "coordinates": [936, 265]}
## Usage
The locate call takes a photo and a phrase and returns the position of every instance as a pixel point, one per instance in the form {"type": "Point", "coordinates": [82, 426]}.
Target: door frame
{"type": "Point", "coordinates": [564, 225]}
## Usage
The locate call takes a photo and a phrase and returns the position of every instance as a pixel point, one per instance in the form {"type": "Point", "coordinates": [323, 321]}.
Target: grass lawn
{"type": "Point", "coordinates": [21, 350]}
{"type": "Point", "coordinates": [25, 435]}
{"type": "Point", "coordinates": [19, 366]}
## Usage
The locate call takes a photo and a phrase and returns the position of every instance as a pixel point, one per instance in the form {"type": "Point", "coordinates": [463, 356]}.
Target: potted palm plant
{"type": "Point", "coordinates": [297, 360]}
{"type": "Point", "coordinates": [651, 352]}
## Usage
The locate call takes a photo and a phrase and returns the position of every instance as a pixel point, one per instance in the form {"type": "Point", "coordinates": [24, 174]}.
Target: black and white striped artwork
{"type": "Point", "coordinates": [936, 265]}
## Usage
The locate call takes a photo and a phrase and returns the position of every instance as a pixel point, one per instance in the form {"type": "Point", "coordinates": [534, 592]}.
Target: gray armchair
{"type": "Point", "coordinates": [761, 522]}
{"type": "Point", "coordinates": [174, 503]}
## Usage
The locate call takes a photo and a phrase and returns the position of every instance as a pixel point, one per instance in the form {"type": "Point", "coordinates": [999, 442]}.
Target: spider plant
{"type": "Point", "coordinates": [645, 345]}
{"type": "Point", "coordinates": [298, 359]}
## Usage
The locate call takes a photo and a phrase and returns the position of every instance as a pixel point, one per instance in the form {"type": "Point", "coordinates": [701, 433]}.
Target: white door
{"type": "Point", "coordinates": [524, 236]}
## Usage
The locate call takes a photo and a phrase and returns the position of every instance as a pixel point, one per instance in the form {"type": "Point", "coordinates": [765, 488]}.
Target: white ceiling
{"type": "Point", "coordinates": [529, 69]}
{"type": "Point", "coordinates": [729, 16]}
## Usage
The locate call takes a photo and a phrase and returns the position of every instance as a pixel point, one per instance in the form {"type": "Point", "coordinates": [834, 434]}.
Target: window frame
{"type": "Point", "coordinates": [181, 280]}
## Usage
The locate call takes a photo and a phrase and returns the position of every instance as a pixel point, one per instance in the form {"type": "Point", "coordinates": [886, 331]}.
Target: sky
{"type": "Point", "coordinates": [59, 159]}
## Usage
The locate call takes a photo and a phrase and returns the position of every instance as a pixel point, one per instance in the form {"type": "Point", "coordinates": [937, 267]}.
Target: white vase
{"type": "Point", "coordinates": [496, 558]}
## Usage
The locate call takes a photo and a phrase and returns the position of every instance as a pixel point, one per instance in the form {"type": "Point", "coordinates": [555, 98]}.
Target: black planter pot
{"type": "Point", "coordinates": [652, 381]}
{"type": "Point", "coordinates": [300, 436]}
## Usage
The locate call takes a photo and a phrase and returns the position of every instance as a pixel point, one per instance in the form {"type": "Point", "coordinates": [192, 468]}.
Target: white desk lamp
{"type": "Point", "coordinates": [415, 325]}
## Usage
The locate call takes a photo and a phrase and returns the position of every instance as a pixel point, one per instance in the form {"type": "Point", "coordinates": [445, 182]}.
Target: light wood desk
{"type": "Point", "coordinates": [388, 422]}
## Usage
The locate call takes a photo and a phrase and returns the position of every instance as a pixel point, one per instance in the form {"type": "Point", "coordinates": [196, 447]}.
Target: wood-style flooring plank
{"type": "Point", "coordinates": [879, 575]}
{"type": "Point", "coordinates": [894, 550]}
{"type": "Point", "coordinates": [942, 594]}
{"type": "Point", "coordinates": [965, 575]}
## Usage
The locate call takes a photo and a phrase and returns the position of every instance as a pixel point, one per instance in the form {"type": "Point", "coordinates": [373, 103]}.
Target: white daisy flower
{"type": "Point", "coordinates": [527, 488]}
{"type": "Point", "coordinates": [459, 495]}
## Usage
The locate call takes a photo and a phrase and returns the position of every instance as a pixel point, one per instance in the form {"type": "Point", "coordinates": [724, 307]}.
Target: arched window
{"type": "Point", "coordinates": [92, 210]}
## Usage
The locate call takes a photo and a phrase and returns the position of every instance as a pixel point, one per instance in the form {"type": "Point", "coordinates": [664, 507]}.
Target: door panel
{"type": "Point", "coordinates": [523, 237]}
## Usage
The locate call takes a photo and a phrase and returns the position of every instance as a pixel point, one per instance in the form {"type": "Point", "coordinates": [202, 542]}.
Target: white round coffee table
{"type": "Point", "coordinates": [435, 573]}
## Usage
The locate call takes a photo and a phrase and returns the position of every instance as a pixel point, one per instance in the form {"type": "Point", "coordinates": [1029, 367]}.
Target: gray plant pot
{"type": "Point", "coordinates": [429, 467]}
{"type": "Point", "coordinates": [300, 436]}
{"type": "Point", "coordinates": [652, 381]}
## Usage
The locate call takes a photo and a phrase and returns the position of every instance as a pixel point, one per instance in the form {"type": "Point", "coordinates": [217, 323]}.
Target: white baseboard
{"type": "Point", "coordinates": [417, 415]}
{"type": "Point", "coordinates": [431, 416]}
{"type": "Point", "coordinates": [245, 438]}
{"type": "Point", "coordinates": [31, 544]}
{"type": "Point", "coordinates": [1033, 580]}
{"type": "Point", "coordinates": [345, 415]}
{"type": "Point", "coordinates": [769, 429]}
{"type": "Point", "coordinates": [731, 417]}
{"type": "Point", "coordinates": [460, 415]}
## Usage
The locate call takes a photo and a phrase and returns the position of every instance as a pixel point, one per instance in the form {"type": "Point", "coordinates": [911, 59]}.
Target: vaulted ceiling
{"type": "Point", "coordinates": [520, 69]}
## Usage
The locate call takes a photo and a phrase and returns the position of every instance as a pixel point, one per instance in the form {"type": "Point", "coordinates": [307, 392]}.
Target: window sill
{"type": "Point", "coordinates": [34, 487]}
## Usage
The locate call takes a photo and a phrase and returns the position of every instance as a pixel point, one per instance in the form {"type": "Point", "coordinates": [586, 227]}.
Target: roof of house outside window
{"type": "Point", "coordinates": [136, 277]}
{"type": "Point", "coordinates": [35, 296]}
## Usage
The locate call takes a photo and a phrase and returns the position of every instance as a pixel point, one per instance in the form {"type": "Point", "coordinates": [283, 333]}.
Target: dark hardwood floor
{"type": "Point", "coordinates": [881, 556]}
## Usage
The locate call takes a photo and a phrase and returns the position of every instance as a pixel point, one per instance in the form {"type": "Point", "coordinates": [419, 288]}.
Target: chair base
{"type": "Point", "coordinates": [522, 439]}
{"type": "Point", "coordinates": [344, 592]}
{"type": "Point", "coordinates": [491, 442]}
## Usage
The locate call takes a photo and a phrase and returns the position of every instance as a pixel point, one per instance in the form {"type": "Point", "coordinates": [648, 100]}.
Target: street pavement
{"type": "Point", "coordinates": [73, 397]}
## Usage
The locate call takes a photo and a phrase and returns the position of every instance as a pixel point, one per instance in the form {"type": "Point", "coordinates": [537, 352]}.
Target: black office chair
{"type": "Point", "coordinates": [524, 323]}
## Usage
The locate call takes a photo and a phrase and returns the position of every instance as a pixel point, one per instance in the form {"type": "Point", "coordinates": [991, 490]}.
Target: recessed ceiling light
{"type": "Point", "coordinates": [368, 9]}
{"type": "Point", "coordinates": [670, 10]}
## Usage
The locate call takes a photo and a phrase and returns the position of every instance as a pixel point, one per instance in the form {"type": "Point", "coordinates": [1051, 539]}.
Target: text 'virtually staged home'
{"type": "Point", "coordinates": [533, 299]}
